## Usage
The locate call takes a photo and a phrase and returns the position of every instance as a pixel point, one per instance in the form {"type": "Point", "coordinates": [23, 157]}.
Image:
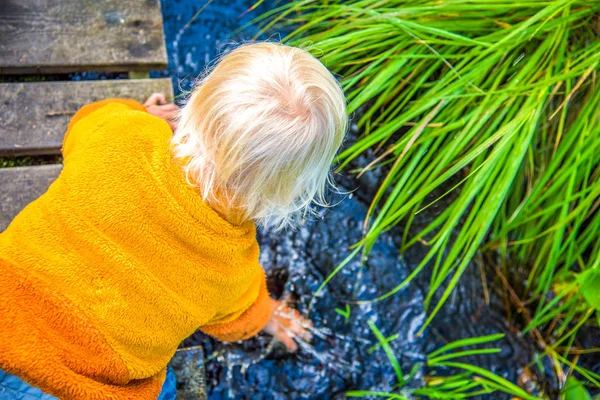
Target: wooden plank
{"type": "Point", "coordinates": [59, 36]}
{"type": "Point", "coordinates": [188, 365]}
{"type": "Point", "coordinates": [34, 116]}
{"type": "Point", "coordinates": [20, 186]}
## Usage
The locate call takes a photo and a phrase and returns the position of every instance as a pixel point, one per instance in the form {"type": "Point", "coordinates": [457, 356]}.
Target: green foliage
{"type": "Point", "coordinates": [476, 380]}
{"type": "Point", "coordinates": [345, 313]}
{"type": "Point", "coordinates": [493, 103]}
{"type": "Point", "coordinates": [574, 390]}
{"type": "Point", "coordinates": [473, 381]}
{"type": "Point", "coordinates": [384, 343]}
{"type": "Point", "coordinates": [22, 161]}
{"type": "Point", "coordinates": [589, 283]}
{"type": "Point", "coordinates": [14, 162]}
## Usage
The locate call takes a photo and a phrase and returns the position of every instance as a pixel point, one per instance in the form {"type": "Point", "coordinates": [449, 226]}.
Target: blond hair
{"type": "Point", "coordinates": [259, 133]}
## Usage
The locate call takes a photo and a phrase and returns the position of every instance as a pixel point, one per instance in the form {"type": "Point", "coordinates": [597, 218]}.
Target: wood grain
{"type": "Point", "coordinates": [20, 186]}
{"type": "Point", "coordinates": [34, 116]}
{"type": "Point", "coordinates": [59, 36]}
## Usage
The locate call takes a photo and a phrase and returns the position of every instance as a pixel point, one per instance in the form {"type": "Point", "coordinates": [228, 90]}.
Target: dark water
{"type": "Point", "coordinates": [297, 262]}
{"type": "Point", "coordinates": [195, 40]}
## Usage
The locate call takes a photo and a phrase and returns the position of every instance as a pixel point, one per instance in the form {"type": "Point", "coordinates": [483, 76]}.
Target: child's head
{"type": "Point", "coordinates": [261, 130]}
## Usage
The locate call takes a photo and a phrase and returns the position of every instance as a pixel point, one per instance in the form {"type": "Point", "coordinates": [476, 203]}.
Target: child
{"type": "Point", "coordinates": [146, 237]}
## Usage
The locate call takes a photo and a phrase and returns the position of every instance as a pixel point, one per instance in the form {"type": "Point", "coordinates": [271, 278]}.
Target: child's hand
{"type": "Point", "coordinates": [287, 324]}
{"type": "Point", "coordinates": [157, 106]}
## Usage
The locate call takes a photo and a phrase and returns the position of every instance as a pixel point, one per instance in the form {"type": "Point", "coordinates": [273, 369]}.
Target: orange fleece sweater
{"type": "Point", "coordinates": [104, 275]}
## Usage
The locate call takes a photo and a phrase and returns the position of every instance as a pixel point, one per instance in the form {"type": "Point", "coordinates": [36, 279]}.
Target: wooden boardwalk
{"type": "Point", "coordinates": [63, 36]}
{"type": "Point", "coordinates": [51, 36]}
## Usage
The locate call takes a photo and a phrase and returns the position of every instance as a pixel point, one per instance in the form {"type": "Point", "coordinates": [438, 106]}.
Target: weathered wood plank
{"type": "Point", "coordinates": [51, 36]}
{"type": "Point", "coordinates": [20, 186]}
{"type": "Point", "coordinates": [188, 365]}
{"type": "Point", "coordinates": [34, 116]}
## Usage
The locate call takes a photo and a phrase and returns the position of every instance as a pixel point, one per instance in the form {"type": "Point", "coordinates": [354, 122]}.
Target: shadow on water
{"type": "Point", "coordinates": [297, 262]}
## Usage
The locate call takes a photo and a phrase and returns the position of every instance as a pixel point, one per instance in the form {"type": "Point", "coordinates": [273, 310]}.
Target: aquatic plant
{"type": "Point", "coordinates": [473, 381]}
{"type": "Point", "coordinates": [491, 107]}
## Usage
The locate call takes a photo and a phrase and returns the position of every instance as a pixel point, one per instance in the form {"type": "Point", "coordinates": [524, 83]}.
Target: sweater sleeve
{"type": "Point", "coordinates": [252, 321]}
{"type": "Point", "coordinates": [88, 109]}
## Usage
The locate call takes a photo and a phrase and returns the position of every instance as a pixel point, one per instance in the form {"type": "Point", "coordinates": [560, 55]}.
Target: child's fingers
{"type": "Point", "coordinates": [281, 334]}
{"type": "Point", "coordinates": [160, 98]}
{"type": "Point", "coordinates": [306, 335]}
{"type": "Point", "coordinates": [299, 324]}
{"type": "Point", "coordinates": [295, 324]}
{"type": "Point", "coordinates": [169, 107]}
{"type": "Point", "coordinates": [301, 334]}
{"type": "Point", "coordinates": [167, 112]}
{"type": "Point", "coordinates": [300, 329]}
{"type": "Point", "coordinates": [287, 341]}
{"type": "Point", "coordinates": [288, 324]}
{"type": "Point", "coordinates": [155, 98]}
